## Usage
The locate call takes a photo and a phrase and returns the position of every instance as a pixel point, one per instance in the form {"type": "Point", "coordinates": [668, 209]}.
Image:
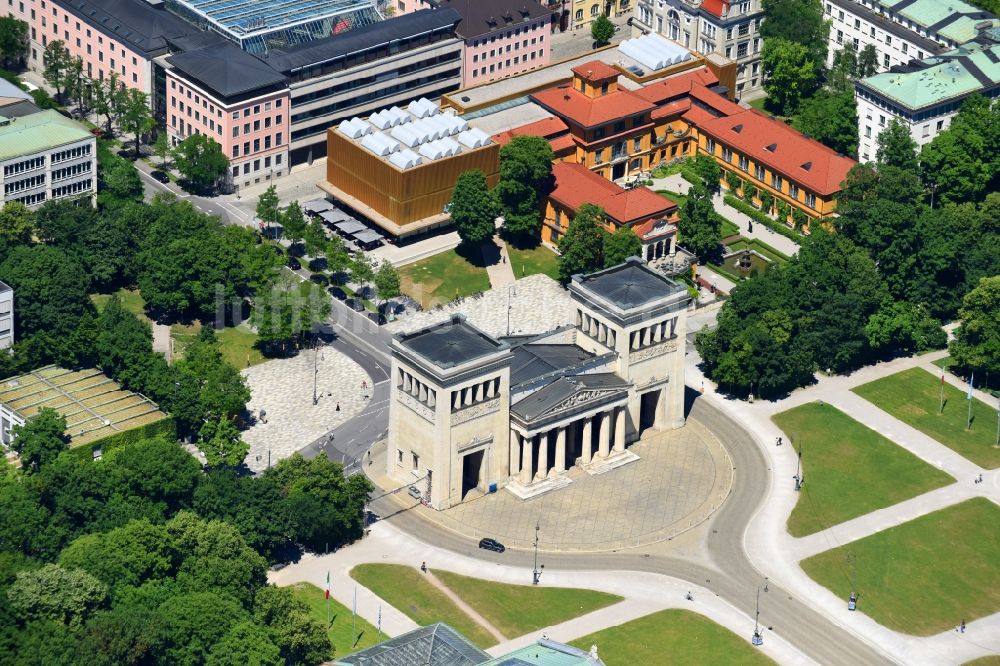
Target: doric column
{"type": "Point", "coordinates": [526, 447]}
{"type": "Point", "coordinates": [543, 455]}
{"type": "Point", "coordinates": [515, 452]}
{"type": "Point", "coordinates": [604, 436]}
{"type": "Point", "coordinates": [586, 439]}
{"type": "Point", "coordinates": [560, 466]}
{"type": "Point", "coordinates": [619, 429]}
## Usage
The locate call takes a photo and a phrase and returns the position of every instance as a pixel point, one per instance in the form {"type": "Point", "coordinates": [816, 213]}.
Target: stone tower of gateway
{"type": "Point", "coordinates": [469, 413]}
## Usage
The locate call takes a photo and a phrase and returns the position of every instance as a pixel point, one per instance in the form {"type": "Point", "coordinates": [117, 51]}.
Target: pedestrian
{"type": "Point", "coordinates": [980, 478]}
{"type": "Point", "coordinates": [779, 441]}
{"type": "Point", "coordinates": [749, 227]}
{"type": "Point", "coordinates": [338, 406]}
{"type": "Point", "coordinates": [961, 627]}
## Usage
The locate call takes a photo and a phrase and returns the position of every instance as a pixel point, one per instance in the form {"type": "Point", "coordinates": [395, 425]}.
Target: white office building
{"type": "Point", "coordinates": [6, 316]}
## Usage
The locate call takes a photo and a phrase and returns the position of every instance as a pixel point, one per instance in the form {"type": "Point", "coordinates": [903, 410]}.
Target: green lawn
{"type": "Point", "coordinates": [340, 621]}
{"type": "Point", "coordinates": [405, 589]}
{"type": "Point", "coordinates": [925, 576]}
{"type": "Point", "coordinates": [444, 277]}
{"type": "Point", "coordinates": [945, 362]}
{"type": "Point", "coordinates": [677, 636]}
{"type": "Point", "coordinates": [992, 660]}
{"type": "Point", "coordinates": [912, 396]}
{"type": "Point", "coordinates": [850, 470]}
{"type": "Point", "coordinates": [518, 609]}
{"type": "Point", "coordinates": [237, 343]}
{"type": "Point", "coordinates": [533, 260]}
{"type": "Point", "coordinates": [131, 300]}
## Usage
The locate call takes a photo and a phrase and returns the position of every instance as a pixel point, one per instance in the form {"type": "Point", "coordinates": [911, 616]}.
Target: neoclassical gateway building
{"type": "Point", "coordinates": [474, 414]}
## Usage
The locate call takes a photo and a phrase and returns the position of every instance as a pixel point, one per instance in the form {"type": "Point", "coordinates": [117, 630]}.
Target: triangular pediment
{"type": "Point", "coordinates": [569, 393]}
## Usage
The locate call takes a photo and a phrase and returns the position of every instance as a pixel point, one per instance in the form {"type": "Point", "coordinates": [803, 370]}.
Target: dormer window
{"type": "Point", "coordinates": [807, 166]}
{"type": "Point", "coordinates": [738, 128]}
{"type": "Point", "coordinates": [771, 148]}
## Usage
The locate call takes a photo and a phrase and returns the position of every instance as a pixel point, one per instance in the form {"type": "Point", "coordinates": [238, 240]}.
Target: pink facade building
{"type": "Point", "coordinates": [244, 105]}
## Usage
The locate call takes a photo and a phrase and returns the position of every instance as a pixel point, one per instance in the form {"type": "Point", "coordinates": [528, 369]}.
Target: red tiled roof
{"type": "Point", "coordinates": [569, 103]}
{"type": "Point", "coordinates": [777, 145]}
{"type": "Point", "coordinates": [715, 100]}
{"type": "Point", "coordinates": [561, 143]}
{"type": "Point", "coordinates": [576, 185]}
{"type": "Point", "coordinates": [648, 229]}
{"type": "Point", "coordinates": [665, 89]}
{"type": "Point", "coordinates": [595, 70]}
{"type": "Point", "coordinates": [546, 127]}
{"type": "Point", "coordinates": [698, 116]}
{"type": "Point", "coordinates": [674, 108]}
{"type": "Point", "coordinates": [715, 7]}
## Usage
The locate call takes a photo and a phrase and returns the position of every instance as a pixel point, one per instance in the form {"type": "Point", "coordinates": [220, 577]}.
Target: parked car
{"type": "Point", "coordinates": [413, 492]}
{"type": "Point", "coordinates": [160, 176]}
{"type": "Point", "coordinates": [338, 293]}
{"type": "Point", "coordinates": [293, 263]}
{"type": "Point", "coordinates": [491, 544]}
{"type": "Point", "coordinates": [355, 304]}
{"type": "Point", "coordinates": [319, 278]}
{"type": "Point", "coordinates": [377, 317]}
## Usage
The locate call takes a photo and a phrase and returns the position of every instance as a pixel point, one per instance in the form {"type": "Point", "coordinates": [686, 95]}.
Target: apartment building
{"type": "Point", "coordinates": [727, 28]}
{"type": "Point", "coordinates": [925, 95]}
{"type": "Point", "coordinates": [583, 12]}
{"type": "Point", "coordinates": [45, 156]}
{"type": "Point", "coordinates": [903, 30]}
{"type": "Point", "coordinates": [6, 316]}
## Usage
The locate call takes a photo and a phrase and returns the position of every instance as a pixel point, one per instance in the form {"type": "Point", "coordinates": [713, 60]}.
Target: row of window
{"type": "Point", "coordinates": [246, 166]}
{"type": "Point", "coordinates": [73, 188]}
{"type": "Point", "coordinates": [510, 34]}
{"type": "Point", "coordinates": [25, 184]}
{"type": "Point", "coordinates": [256, 125]}
{"type": "Point", "coordinates": [619, 151]}
{"type": "Point", "coordinates": [361, 81]}
{"type": "Point", "coordinates": [24, 166]}
{"type": "Point", "coordinates": [500, 65]}
{"type": "Point", "coordinates": [476, 57]}
{"type": "Point", "coordinates": [256, 145]}
{"type": "Point", "coordinates": [31, 199]}
{"type": "Point", "coordinates": [266, 106]}
{"type": "Point", "coordinates": [198, 99]}
{"type": "Point", "coordinates": [877, 8]}
{"type": "Point", "coordinates": [777, 181]}
{"type": "Point", "coordinates": [217, 128]}
{"type": "Point", "coordinates": [71, 154]}
{"type": "Point", "coordinates": [70, 171]}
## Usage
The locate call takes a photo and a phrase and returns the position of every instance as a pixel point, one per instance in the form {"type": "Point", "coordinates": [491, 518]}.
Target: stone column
{"type": "Point", "coordinates": [619, 429]}
{"type": "Point", "coordinates": [543, 455]}
{"type": "Point", "coordinates": [604, 437]}
{"type": "Point", "coordinates": [586, 440]}
{"type": "Point", "coordinates": [560, 466]}
{"type": "Point", "coordinates": [526, 446]}
{"type": "Point", "coordinates": [515, 452]}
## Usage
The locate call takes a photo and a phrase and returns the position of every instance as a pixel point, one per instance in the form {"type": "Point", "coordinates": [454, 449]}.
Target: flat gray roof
{"type": "Point", "coordinates": [450, 343]}
{"type": "Point", "coordinates": [541, 401]}
{"type": "Point", "coordinates": [628, 285]}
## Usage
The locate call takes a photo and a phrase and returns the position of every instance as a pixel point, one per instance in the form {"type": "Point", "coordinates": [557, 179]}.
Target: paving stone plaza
{"type": "Point", "coordinates": [284, 389]}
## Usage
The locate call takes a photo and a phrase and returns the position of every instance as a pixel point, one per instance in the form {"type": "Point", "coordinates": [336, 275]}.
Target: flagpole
{"type": "Point", "coordinates": [968, 420]}
{"type": "Point", "coordinates": [996, 442]}
{"type": "Point", "coordinates": [328, 599]}
{"type": "Point", "coordinates": [941, 399]}
{"type": "Point", "coordinates": [380, 623]}
{"type": "Point", "coordinates": [354, 614]}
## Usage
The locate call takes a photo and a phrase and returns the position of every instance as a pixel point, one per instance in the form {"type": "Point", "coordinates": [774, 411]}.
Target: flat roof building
{"type": "Point", "coordinates": [6, 316]}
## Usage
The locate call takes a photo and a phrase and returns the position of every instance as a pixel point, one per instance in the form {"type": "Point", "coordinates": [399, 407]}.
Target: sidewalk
{"type": "Point", "coordinates": [497, 263]}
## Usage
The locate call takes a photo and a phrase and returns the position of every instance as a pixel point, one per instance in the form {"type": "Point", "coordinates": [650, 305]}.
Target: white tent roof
{"type": "Point", "coordinates": [380, 144]}
{"type": "Point", "coordinates": [405, 158]}
{"type": "Point", "coordinates": [474, 138]}
{"type": "Point", "coordinates": [654, 51]}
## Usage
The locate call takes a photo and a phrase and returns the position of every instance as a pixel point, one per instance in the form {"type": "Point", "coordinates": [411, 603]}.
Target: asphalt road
{"type": "Point", "coordinates": [228, 213]}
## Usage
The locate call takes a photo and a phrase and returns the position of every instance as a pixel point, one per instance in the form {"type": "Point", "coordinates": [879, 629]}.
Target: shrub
{"type": "Point", "coordinates": [749, 192]}
{"type": "Point", "coordinates": [758, 216]}
{"type": "Point", "coordinates": [734, 181]}
{"type": "Point", "coordinates": [766, 202]}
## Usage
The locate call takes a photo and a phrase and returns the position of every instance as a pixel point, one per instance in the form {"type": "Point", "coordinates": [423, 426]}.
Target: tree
{"type": "Point", "coordinates": [125, 556]}
{"type": "Point", "coordinates": [66, 596]}
{"type": "Point", "coordinates": [136, 117]}
{"type": "Point", "coordinates": [41, 439]}
{"type": "Point", "coordinates": [843, 71]}
{"type": "Point", "coordinates": [254, 505]}
{"type": "Point", "coordinates": [473, 208]}
{"type": "Point", "coordinates": [191, 625]}
{"type": "Point", "coordinates": [602, 30]}
{"type": "Point", "coordinates": [162, 149]}
{"type": "Point", "coordinates": [56, 61]}
{"type": "Point", "coordinates": [293, 222]}
{"type": "Point", "coordinates": [220, 441]}
{"type": "Point", "coordinates": [961, 163]}
{"type": "Point", "coordinates": [77, 86]}
{"type": "Point", "coordinates": [386, 281]}
{"type": "Point", "coordinates": [700, 227]}
{"type": "Point", "coordinates": [832, 119]}
{"type": "Point", "coordinates": [708, 170]}
{"type": "Point", "coordinates": [302, 639]}
{"type": "Point", "coordinates": [13, 41]}
{"type": "Point", "coordinates": [896, 147]}
{"type": "Point", "coordinates": [789, 74]}
{"type": "Point", "coordinates": [977, 342]}
{"type": "Point", "coordinates": [620, 245]}
{"type": "Point", "coordinates": [287, 310]}
{"type": "Point", "coordinates": [525, 179]}
{"type": "Point", "coordinates": [867, 62]}
{"type": "Point", "coordinates": [267, 206]}
{"type": "Point", "coordinates": [362, 269]}
{"type": "Point", "coordinates": [109, 98]}
{"type": "Point", "coordinates": [798, 21]}
{"type": "Point", "coordinates": [582, 246]}
{"type": "Point", "coordinates": [246, 644]}
{"type": "Point", "coordinates": [119, 180]}
{"type": "Point", "coordinates": [17, 223]}
{"type": "Point", "coordinates": [50, 290]}
{"type": "Point", "coordinates": [314, 237]}
{"type": "Point", "coordinates": [201, 161]}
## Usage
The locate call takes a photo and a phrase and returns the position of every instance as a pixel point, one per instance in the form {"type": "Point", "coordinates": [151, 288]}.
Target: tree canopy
{"type": "Point", "coordinates": [581, 249]}
{"type": "Point", "coordinates": [620, 245]}
{"type": "Point", "coordinates": [474, 208]}
{"type": "Point", "coordinates": [700, 226]}
{"type": "Point", "coordinates": [798, 21]}
{"type": "Point", "coordinates": [977, 341]}
{"type": "Point", "coordinates": [789, 74]}
{"type": "Point", "coordinates": [602, 30]}
{"type": "Point", "coordinates": [201, 161]}
{"type": "Point", "coordinates": [41, 439]}
{"type": "Point", "coordinates": [525, 180]}
{"type": "Point", "coordinates": [832, 119]}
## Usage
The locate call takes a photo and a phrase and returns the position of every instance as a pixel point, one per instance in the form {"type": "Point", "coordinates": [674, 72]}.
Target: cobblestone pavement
{"type": "Point", "coordinates": [537, 303]}
{"type": "Point", "coordinates": [284, 389]}
{"type": "Point", "coordinates": [683, 476]}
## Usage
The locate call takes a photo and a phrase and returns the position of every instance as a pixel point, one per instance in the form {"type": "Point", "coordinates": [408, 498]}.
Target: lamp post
{"type": "Point", "coordinates": [315, 371]}
{"type": "Point", "coordinates": [510, 289]}
{"type": "Point", "coordinates": [535, 573]}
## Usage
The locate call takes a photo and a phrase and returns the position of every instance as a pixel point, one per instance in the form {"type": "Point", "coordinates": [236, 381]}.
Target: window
{"type": "Point", "coordinates": [256, 109]}
{"type": "Point", "coordinates": [619, 127]}
{"type": "Point", "coordinates": [840, 36]}
{"type": "Point", "coordinates": [246, 147]}
{"type": "Point", "coordinates": [776, 181]}
{"type": "Point", "coordinates": [743, 30]}
{"type": "Point", "coordinates": [742, 49]}
{"type": "Point", "coordinates": [236, 115]}
{"type": "Point", "coordinates": [759, 172]}
{"type": "Point", "coordinates": [729, 33]}
{"type": "Point", "coordinates": [840, 15]}
{"type": "Point", "coordinates": [793, 190]}
{"type": "Point", "coordinates": [256, 126]}
{"type": "Point", "coordinates": [594, 10]}
{"type": "Point", "coordinates": [579, 17]}
{"type": "Point", "coordinates": [267, 142]}
{"type": "Point", "coordinates": [727, 154]}
{"type": "Point", "coordinates": [940, 125]}
{"type": "Point", "coordinates": [885, 59]}
{"type": "Point", "coordinates": [857, 24]}
{"type": "Point", "coordinates": [256, 145]}
{"type": "Point", "coordinates": [744, 163]}
{"type": "Point", "coordinates": [906, 47]}
{"type": "Point", "coordinates": [236, 131]}
{"type": "Point", "coordinates": [868, 132]}
{"type": "Point", "coordinates": [236, 151]}
{"type": "Point", "coordinates": [811, 200]}
{"type": "Point", "coordinates": [710, 146]}
{"type": "Point", "coordinates": [926, 130]}
{"type": "Point", "coordinates": [277, 142]}
{"type": "Point", "coordinates": [888, 38]}
{"type": "Point", "coordinates": [636, 145]}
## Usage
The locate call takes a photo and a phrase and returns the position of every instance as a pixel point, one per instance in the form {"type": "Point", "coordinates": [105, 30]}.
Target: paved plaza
{"type": "Point", "coordinates": [537, 304]}
{"type": "Point", "coordinates": [284, 389]}
{"type": "Point", "coordinates": [682, 477]}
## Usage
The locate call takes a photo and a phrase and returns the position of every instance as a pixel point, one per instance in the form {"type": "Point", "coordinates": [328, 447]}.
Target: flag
{"type": "Point", "coordinates": [327, 584]}
{"type": "Point", "coordinates": [942, 378]}
{"type": "Point", "coordinates": [380, 617]}
{"type": "Point", "coordinates": [969, 395]}
{"type": "Point", "coordinates": [354, 605]}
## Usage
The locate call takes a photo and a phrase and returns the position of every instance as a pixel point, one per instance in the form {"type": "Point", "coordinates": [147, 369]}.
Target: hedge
{"type": "Point", "coordinates": [165, 428]}
{"type": "Point", "coordinates": [760, 217]}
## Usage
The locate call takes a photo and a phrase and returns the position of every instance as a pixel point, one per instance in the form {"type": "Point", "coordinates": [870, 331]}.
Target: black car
{"type": "Point", "coordinates": [355, 304]}
{"type": "Point", "coordinates": [377, 317]}
{"type": "Point", "coordinates": [491, 544]}
{"type": "Point", "coordinates": [293, 263]}
{"type": "Point", "coordinates": [337, 293]}
{"type": "Point", "coordinates": [160, 176]}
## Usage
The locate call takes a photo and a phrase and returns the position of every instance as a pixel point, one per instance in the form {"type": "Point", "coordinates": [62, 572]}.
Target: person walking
{"type": "Point", "coordinates": [961, 627]}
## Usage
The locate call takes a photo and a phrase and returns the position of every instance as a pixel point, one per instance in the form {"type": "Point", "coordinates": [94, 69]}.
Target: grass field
{"type": "Point", "coordinates": [850, 470]}
{"type": "Point", "coordinates": [237, 343]}
{"type": "Point", "coordinates": [518, 609]}
{"type": "Point", "coordinates": [444, 277]}
{"type": "Point", "coordinates": [340, 621]}
{"type": "Point", "coordinates": [925, 576]}
{"type": "Point", "coordinates": [912, 396]}
{"type": "Point", "coordinates": [526, 261]}
{"type": "Point", "coordinates": [131, 300]}
{"type": "Point", "coordinates": [992, 660]}
{"type": "Point", "coordinates": [674, 636]}
{"type": "Point", "coordinates": [405, 588]}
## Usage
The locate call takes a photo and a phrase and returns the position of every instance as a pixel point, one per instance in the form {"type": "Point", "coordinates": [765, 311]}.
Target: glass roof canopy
{"type": "Point", "coordinates": [260, 25]}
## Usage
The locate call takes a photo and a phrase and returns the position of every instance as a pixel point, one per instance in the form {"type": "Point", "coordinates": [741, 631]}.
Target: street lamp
{"type": "Point", "coordinates": [315, 370]}
{"type": "Point", "coordinates": [510, 289]}
{"type": "Point", "coordinates": [536, 573]}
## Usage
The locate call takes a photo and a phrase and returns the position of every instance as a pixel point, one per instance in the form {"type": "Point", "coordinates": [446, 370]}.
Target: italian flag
{"type": "Point", "coordinates": [327, 584]}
